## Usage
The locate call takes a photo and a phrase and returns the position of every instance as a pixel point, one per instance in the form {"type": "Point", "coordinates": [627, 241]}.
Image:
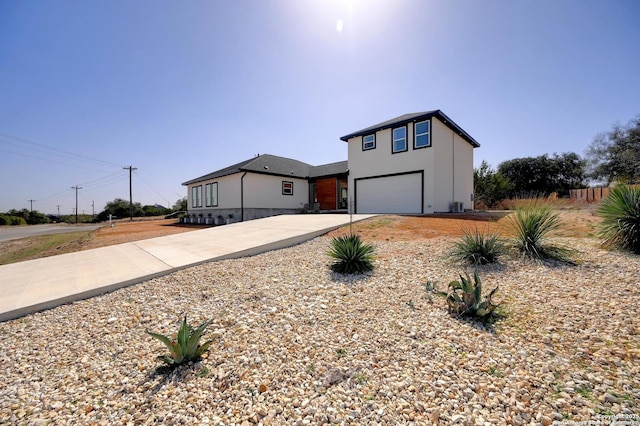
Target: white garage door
{"type": "Point", "coordinates": [390, 194]}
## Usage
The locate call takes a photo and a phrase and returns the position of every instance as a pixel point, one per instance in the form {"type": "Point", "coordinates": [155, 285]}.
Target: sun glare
{"type": "Point", "coordinates": [339, 25]}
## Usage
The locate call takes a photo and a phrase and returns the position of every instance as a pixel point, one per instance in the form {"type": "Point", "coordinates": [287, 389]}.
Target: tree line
{"type": "Point", "coordinates": [118, 209]}
{"type": "Point", "coordinates": [612, 158]}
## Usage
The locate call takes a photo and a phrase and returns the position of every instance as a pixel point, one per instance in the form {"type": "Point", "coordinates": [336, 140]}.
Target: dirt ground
{"type": "Point", "coordinates": [578, 223]}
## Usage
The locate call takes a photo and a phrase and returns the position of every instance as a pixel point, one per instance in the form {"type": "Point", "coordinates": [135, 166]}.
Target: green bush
{"type": "Point", "coordinates": [12, 220]}
{"type": "Point", "coordinates": [620, 211]}
{"type": "Point", "coordinates": [532, 224]}
{"type": "Point", "coordinates": [477, 248]}
{"type": "Point", "coordinates": [465, 298]}
{"type": "Point", "coordinates": [187, 345]}
{"type": "Point", "coordinates": [351, 255]}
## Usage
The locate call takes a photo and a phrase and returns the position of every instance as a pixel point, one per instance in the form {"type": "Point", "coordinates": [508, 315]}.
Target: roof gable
{"type": "Point", "coordinates": [414, 117]}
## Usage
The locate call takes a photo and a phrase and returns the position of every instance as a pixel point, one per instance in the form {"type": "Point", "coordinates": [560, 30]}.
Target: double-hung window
{"type": "Point", "coordinates": [369, 142]}
{"type": "Point", "coordinates": [287, 188]}
{"type": "Point", "coordinates": [423, 134]}
{"type": "Point", "coordinates": [196, 196]}
{"type": "Point", "coordinates": [211, 194]}
{"type": "Point", "coordinates": [399, 142]}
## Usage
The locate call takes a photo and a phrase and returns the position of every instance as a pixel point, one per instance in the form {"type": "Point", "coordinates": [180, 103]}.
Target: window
{"type": "Point", "coordinates": [211, 194]}
{"type": "Point", "coordinates": [423, 134]}
{"type": "Point", "coordinates": [399, 139]}
{"type": "Point", "coordinates": [369, 142]}
{"type": "Point", "coordinates": [287, 188]}
{"type": "Point", "coordinates": [196, 196]}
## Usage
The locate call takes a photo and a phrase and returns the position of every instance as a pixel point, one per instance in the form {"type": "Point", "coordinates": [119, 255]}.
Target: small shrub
{"type": "Point", "coordinates": [477, 248]}
{"type": "Point", "coordinates": [187, 345]}
{"type": "Point", "coordinates": [351, 255]}
{"type": "Point", "coordinates": [620, 211]}
{"type": "Point", "coordinates": [465, 298]}
{"type": "Point", "coordinates": [532, 224]}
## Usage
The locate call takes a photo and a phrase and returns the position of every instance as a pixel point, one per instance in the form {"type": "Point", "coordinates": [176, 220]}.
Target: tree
{"type": "Point", "coordinates": [155, 210]}
{"type": "Point", "coordinates": [119, 208]}
{"type": "Point", "coordinates": [180, 205]}
{"type": "Point", "coordinates": [544, 174]}
{"type": "Point", "coordinates": [490, 187]}
{"type": "Point", "coordinates": [614, 156]}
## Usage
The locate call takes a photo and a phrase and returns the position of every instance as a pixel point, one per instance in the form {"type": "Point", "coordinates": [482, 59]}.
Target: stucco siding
{"type": "Point", "coordinates": [265, 191]}
{"type": "Point", "coordinates": [447, 165]}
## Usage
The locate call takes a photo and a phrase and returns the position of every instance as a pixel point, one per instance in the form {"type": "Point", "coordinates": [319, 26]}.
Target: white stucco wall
{"type": "Point", "coordinates": [260, 191]}
{"type": "Point", "coordinates": [447, 164]}
{"type": "Point", "coordinates": [265, 191]}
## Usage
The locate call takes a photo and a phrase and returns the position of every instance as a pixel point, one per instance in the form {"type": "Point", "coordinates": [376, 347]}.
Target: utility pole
{"type": "Point", "coordinates": [76, 188]}
{"type": "Point", "coordinates": [93, 208]}
{"type": "Point", "coordinates": [131, 169]}
{"type": "Point", "coordinates": [31, 201]}
{"type": "Point", "coordinates": [58, 206]}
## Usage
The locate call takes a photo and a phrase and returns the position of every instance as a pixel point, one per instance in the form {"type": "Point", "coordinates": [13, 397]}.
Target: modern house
{"type": "Point", "coordinates": [416, 163]}
{"type": "Point", "coordinates": [268, 185]}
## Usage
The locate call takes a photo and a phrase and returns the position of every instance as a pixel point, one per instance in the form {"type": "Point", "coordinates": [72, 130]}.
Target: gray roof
{"type": "Point", "coordinates": [414, 117]}
{"type": "Point", "coordinates": [332, 169]}
{"type": "Point", "coordinates": [278, 166]}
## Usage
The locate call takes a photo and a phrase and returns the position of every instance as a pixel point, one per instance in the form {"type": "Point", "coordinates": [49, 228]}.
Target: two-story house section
{"type": "Point", "coordinates": [416, 163]}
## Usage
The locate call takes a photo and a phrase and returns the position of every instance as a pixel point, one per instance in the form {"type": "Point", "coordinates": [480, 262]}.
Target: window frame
{"type": "Point", "coordinates": [416, 135]}
{"type": "Point", "coordinates": [393, 140]}
{"type": "Point", "coordinates": [373, 142]}
{"type": "Point", "coordinates": [196, 196]}
{"type": "Point", "coordinates": [286, 191]}
{"type": "Point", "coordinates": [211, 194]}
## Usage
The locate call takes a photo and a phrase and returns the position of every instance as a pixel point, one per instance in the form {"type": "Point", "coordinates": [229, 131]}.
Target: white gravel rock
{"type": "Point", "coordinates": [297, 344]}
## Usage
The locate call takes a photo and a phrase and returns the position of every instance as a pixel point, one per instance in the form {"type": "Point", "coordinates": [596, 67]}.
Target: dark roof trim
{"type": "Point", "coordinates": [412, 118]}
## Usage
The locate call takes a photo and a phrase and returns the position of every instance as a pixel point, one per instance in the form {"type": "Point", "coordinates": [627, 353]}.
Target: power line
{"type": "Point", "coordinates": [152, 188]}
{"type": "Point", "coordinates": [58, 151]}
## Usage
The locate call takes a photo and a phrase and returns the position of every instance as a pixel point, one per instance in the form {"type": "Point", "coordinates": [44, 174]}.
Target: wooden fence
{"type": "Point", "coordinates": [591, 194]}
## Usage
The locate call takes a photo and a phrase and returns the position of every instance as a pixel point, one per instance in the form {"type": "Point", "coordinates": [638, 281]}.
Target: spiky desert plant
{"type": "Point", "coordinates": [465, 297]}
{"type": "Point", "coordinates": [620, 212]}
{"type": "Point", "coordinates": [186, 347]}
{"type": "Point", "coordinates": [351, 255]}
{"type": "Point", "coordinates": [532, 224]}
{"type": "Point", "coordinates": [477, 247]}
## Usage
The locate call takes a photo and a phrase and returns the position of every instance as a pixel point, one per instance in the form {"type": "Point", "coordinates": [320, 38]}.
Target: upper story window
{"type": "Point", "coordinates": [196, 196]}
{"type": "Point", "coordinates": [287, 188]}
{"type": "Point", "coordinates": [211, 194]}
{"type": "Point", "coordinates": [369, 142]}
{"type": "Point", "coordinates": [399, 142]}
{"type": "Point", "coordinates": [423, 134]}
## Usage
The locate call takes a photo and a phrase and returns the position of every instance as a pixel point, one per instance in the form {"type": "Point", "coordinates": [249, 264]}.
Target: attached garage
{"type": "Point", "coordinates": [396, 193]}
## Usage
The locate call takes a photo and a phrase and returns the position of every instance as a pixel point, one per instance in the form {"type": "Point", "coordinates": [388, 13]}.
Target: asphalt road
{"type": "Point", "coordinates": [14, 232]}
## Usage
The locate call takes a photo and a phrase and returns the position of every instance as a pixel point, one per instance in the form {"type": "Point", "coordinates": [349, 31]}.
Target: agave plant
{"type": "Point", "coordinates": [351, 255]}
{"type": "Point", "coordinates": [187, 346]}
{"type": "Point", "coordinates": [465, 297]}
{"type": "Point", "coordinates": [477, 247]}
{"type": "Point", "coordinates": [620, 211]}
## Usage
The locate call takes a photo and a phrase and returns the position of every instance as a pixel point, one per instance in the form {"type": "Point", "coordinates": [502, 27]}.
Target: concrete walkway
{"type": "Point", "coordinates": [34, 285]}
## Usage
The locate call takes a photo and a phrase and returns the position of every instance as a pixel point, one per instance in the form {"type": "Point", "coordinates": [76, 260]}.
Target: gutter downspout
{"type": "Point", "coordinates": [242, 197]}
{"type": "Point", "coordinates": [453, 168]}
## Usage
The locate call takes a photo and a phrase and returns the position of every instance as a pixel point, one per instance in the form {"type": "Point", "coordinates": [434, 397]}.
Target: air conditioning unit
{"type": "Point", "coordinates": [457, 207]}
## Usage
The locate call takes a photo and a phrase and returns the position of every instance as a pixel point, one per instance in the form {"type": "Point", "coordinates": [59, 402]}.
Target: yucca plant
{"type": "Point", "coordinates": [465, 297]}
{"type": "Point", "coordinates": [351, 255]}
{"type": "Point", "coordinates": [532, 224]}
{"type": "Point", "coordinates": [186, 347]}
{"type": "Point", "coordinates": [620, 211]}
{"type": "Point", "coordinates": [477, 248]}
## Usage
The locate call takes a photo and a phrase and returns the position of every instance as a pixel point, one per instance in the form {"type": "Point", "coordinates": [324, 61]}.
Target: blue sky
{"type": "Point", "coordinates": [180, 89]}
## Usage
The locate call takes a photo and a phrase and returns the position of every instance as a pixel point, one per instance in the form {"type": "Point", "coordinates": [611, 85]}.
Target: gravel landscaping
{"type": "Point", "coordinates": [296, 344]}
